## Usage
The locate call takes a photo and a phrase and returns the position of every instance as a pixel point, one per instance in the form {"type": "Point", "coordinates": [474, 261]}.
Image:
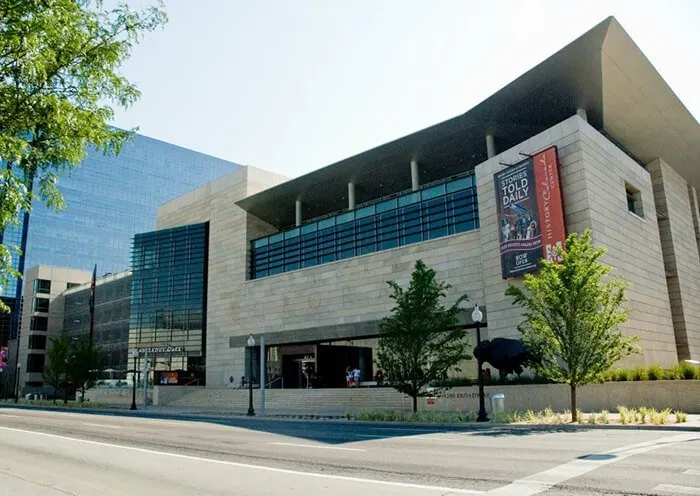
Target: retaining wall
{"type": "Point", "coordinates": [681, 395]}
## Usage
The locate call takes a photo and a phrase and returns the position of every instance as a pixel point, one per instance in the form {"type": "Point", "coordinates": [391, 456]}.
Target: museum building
{"type": "Point", "coordinates": [592, 137]}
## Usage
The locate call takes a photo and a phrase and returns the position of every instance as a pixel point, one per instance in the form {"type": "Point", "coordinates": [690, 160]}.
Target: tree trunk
{"type": "Point", "coordinates": [573, 403]}
{"type": "Point", "coordinates": [415, 403]}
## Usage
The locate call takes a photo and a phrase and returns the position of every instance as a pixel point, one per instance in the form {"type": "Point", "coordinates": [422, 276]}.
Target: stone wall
{"type": "Point", "coordinates": [680, 395]}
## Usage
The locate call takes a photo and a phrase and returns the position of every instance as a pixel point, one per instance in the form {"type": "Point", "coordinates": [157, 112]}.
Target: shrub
{"type": "Point", "coordinates": [655, 373]}
{"type": "Point", "coordinates": [681, 417]}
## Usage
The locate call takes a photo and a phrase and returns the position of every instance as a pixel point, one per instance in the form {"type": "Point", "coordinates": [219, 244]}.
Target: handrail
{"type": "Point", "coordinates": [192, 382]}
{"type": "Point", "coordinates": [267, 386]}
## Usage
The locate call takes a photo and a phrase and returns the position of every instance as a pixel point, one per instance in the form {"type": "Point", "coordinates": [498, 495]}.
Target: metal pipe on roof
{"type": "Point", "coordinates": [297, 206]}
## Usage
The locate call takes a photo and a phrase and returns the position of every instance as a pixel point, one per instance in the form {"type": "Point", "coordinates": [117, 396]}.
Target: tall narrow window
{"type": "Point", "coordinates": [634, 200]}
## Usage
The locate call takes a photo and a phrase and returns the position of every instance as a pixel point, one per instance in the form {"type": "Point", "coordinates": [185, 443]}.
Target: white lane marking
{"type": "Point", "coordinates": [542, 481]}
{"type": "Point", "coordinates": [295, 445]}
{"type": "Point", "coordinates": [252, 467]}
{"type": "Point", "coordinates": [672, 488]}
{"type": "Point", "coordinates": [413, 438]}
{"type": "Point", "coordinates": [7, 415]}
{"type": "Point", "coordinates": [103, 425]}
{"type": "Point", "coordinates": [691, 472]}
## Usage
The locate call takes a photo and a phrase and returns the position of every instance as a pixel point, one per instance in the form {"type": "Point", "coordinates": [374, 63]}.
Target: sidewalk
{"type": "Point", "coordinates": [203, 415]}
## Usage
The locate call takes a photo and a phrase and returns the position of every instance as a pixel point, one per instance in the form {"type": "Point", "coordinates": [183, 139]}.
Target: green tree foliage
{"type": "Point", "coordinates": [59, 81]}
{"type": "Point", "coordinates": [85, 363]}
{"type": "Point", "coordinates": [572, 312]}
{"type": "Point", "coordinates": [419, 342]}
{"type": "Point", "coordinates": [56, 368]}
{"type": "Point", "coordinates": [73, 363]}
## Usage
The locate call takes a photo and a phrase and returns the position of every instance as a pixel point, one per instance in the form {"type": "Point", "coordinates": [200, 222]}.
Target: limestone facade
{"type": "Point", "coordinates": [595, 176]}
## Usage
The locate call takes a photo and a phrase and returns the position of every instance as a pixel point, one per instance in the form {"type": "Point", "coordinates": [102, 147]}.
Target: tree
{"type": "Point", "coordinates": [572, 312]}
{"type": "Point", "coordinates": [85, 363]}
{"type": "Point", "coordinates": [420, 342]}
{"type": "Point", "coordinates": [56, 368]}
{"type": "Point", "coordinates": [59, 77]}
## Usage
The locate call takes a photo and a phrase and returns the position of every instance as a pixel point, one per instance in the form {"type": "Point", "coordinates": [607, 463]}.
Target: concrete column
{"type": "Point", "coordinates": [582, 114]}
{"type": "Point", "coordinates": [297, 206]}
{"type": "Point", "coordinates": [490, 146]}
{"type": "Point", "coordinates": [415, 180]}
{"type": "Point", "coordinates": [351, 196]}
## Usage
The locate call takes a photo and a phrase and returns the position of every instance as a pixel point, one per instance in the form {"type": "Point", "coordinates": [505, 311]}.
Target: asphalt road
{"type": "Point", "coordinates": [50, 453]}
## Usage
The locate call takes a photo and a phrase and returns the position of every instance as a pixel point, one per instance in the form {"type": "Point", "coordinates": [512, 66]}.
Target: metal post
{"type": "Point", "coordinates": [482, 417]}
{"type": "Point", "coordinates": [251, 410]}
{"type": "Point", "coordinates": [19, 365]}
{"type": "Point", "coordinates": [134, 355]}
{"type": "Point", "coordinates": [351, 196]}
{"type": "Point", "coordinates": [145, 379]}
{"type": "Point", "coordinates": [415, 179]}
{"type": "Point", "coordinates": [263, 375]}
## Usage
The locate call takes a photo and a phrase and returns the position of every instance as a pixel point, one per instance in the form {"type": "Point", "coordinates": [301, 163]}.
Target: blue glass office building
{"type": "Point", "coordinates": [109, 199]}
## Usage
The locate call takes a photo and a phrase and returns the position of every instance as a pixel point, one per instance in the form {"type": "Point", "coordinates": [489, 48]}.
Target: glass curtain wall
{"type": "Point", "coordinates": [435, 211]}
{"type": "Point", "coordinates": [168, 297]}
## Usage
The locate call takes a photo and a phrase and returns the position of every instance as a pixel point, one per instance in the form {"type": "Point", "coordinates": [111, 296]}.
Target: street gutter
{"type": "Point", "coordinates": [471, 426]}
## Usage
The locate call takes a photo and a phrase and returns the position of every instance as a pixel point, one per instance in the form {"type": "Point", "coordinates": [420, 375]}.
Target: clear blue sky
{"type": "Point", "coordinates": [291, 86]}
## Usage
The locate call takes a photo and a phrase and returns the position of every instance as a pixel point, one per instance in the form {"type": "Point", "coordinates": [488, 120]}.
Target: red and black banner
{"type": "Point", "coordinates": [530, 213]}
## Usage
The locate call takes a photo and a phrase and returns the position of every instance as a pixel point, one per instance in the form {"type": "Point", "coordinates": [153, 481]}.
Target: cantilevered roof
{"type": "Point", "coordinates": [603, 72]}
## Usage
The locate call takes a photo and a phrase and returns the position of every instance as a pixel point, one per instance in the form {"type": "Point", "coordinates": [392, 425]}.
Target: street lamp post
{"type": "Point", "coordinates": [19, 366]}
{"type": "Point", "coordinates": [134, 355]}
{"type": "Point", "coordinates": [251, 343]}
{"type": "Point", "coordinates": [476, 317]}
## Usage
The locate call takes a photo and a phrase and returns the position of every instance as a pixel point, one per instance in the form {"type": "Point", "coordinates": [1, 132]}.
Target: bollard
{"type": "Point", "coordinates": [498, 403]}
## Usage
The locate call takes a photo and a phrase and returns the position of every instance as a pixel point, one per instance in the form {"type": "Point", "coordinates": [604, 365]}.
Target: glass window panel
{"type": "Point", "coordinates": [292, 234]}
{"type": "Point", "coordinates": [276, 238]}
{"type": "Point", "coordinates": [387, 205]}
{"type": "Point", "coordinates": [343, 218]}
{"type": "Point", "coordinates": [326, 223]}
{"type": "Point", "coordinates": [460, 184]}
{"type": "Point", "coordinates": [365, 212]}
{"type": "Point", "coordinates": [309, 228]}
{"type": "Point", "coordinates": [433, 192]}
{"type": "Point", "coordinates": [409, 199]}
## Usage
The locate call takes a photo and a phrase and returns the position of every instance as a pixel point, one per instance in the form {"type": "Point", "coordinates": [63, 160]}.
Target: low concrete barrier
{"type": "Point", "coordinates": [116, 396]}
{"type": "Point", "coordinates": [680, 395]}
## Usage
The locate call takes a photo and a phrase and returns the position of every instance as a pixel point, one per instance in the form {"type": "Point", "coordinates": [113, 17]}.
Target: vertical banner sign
{"type": "Point", "coordinates": [530, 213]}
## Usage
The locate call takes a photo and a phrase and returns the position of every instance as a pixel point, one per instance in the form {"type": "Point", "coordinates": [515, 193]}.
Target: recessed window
{"type": "Point", "coordinates": [634, 200]}
{"type": "Point", "coordinates": [72, 285]}
{"type": "Point", "coordinates": [41, 286]}
{"type": "Point", "coordinates": [37, 342]}
{"type": "Point", "coordinates": [40, 305]}
{"type": "Point", "coordinates": [35, 362]}
{"type": "Point", "coordinates": [39, 324]}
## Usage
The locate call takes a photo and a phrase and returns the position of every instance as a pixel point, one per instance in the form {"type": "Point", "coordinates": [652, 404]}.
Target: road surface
{"type": "Point", "coordinates": [51, 453]}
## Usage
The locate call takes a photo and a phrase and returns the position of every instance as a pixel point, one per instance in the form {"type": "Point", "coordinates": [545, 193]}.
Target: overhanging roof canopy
{"type": "Point", "coordinates": [603, 72]}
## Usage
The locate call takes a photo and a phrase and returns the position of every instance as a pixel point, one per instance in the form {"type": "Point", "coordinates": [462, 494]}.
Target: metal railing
{"type": "Point", "coordinates": [269, 384]}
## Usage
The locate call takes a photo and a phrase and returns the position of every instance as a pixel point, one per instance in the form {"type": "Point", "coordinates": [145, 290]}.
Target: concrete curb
{"type": "Point", "coordinates": [486, 426]}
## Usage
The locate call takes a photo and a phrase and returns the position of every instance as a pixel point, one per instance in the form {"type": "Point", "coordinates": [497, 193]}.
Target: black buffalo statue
{"type": "Point", "coordinates": [507, 355]}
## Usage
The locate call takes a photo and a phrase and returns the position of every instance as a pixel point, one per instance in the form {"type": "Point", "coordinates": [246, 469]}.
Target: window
{"type": "Point", "coordinates": [40, 305]}
{"type": "Point", "coordinates": [37, 342]}
{"type": "Point", "coordinates": [41, 286]}
{"type": "Point", "coordinates": [72, 285]}
{"type": "Point", "coordinates": [634, 200]}
{"type": "Point", "coordinates": [35, 362]}
{"type": "Point", "coordinates": [39, 324]}
{"type": "Point", "coordinates": [433, 212]}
